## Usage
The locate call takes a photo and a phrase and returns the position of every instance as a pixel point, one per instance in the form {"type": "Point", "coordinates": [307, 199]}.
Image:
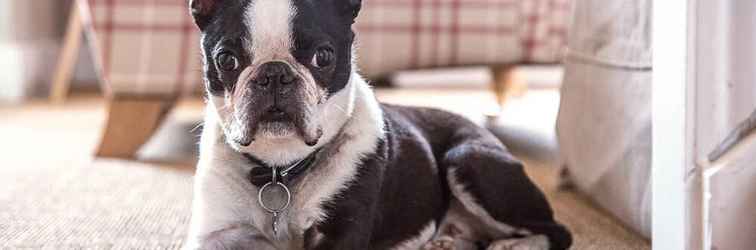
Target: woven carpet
{"type": "Point", "coordinates": [53, 196]}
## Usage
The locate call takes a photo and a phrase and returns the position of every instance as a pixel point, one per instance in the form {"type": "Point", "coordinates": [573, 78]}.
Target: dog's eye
{"type": "Point", "coordinates": [227, 61]}
{"type": "Point", "coordinates": [323, 57]}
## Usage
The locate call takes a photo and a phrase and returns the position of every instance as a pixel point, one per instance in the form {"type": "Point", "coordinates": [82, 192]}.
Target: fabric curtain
{"type": "Point", "coordinates": [604, 122]}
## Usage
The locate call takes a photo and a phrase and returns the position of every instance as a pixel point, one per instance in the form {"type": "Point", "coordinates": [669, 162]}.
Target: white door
{"type": "Point", "coordinates": [704, 165]}
{"type": "Point", "coordinates": [725, 145]}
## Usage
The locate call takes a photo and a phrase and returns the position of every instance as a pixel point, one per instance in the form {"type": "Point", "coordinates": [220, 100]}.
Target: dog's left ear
{"type": "Point", "coordinates": [351, 8]}
{"type": "Point", "coordinates": [202, 11]}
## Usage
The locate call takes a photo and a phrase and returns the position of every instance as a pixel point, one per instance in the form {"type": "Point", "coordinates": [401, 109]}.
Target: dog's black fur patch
{"type": "Point", "coordinates": [220, 35]}
{"type": "Point", "coordinates": [321, 24]}
{"type": "Point", "coordinates": [403, 185]}
{"type": "Point", "coordinates": [316, 23]}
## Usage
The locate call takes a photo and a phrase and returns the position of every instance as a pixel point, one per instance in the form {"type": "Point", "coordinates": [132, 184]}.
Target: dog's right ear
{"type": "Point", "coordinates": [351, 8]}
{"type": "Point", "coordinates": [202, 11]}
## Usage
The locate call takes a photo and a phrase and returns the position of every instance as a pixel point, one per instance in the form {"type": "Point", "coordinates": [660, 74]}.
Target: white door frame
{"type": "Point", "coordinates": [672, 118]}
{"type": "Point", "coordinates": [700, 49]}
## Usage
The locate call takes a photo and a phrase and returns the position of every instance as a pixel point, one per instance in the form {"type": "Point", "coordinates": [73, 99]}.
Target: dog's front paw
{"type": "Point", "coordinates": [440, 243]}
{"type": "Point", "coordinates": [535, 242]}
{"type": "Point", "coordinates": [240, 236]}
{"type": "Point", "coordinates": [447, 242]}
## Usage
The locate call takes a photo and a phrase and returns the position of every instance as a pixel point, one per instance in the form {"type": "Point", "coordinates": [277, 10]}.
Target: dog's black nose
{"type": "Point", "coordinates": [273, 74]}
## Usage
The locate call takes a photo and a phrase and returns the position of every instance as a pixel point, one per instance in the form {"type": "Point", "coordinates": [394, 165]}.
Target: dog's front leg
{"type": "Point", "coordinates": [237, 237]}
{"type": "Point", "coordinates": [351, 213]}
{"type": "Point", "coordinates": [352, 230]}
{"type": "Point", "coordinates": [222, 212]}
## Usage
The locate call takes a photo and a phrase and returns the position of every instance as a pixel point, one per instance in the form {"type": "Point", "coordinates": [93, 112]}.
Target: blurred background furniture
{"type": "Point", "coordinates": [29, 39]}
{"type": "Point", "coordinates": [604, 123]}
{"type": "Point", "coordinates": [147, 56]}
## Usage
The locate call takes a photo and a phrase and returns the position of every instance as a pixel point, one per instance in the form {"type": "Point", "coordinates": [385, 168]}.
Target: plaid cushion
{"type": "Point", "coordinates": [151, 46]}
{"type": "Point", "coordinates": [145, 46]}
{"type": "Point", "coordinates": [401, 34]}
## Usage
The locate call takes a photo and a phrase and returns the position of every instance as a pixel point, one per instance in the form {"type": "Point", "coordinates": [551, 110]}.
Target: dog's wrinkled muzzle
{"type": "Point", "coordinates": [273, 94]}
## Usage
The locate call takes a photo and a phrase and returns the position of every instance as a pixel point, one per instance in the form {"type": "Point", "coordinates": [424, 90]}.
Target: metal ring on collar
{"type": "Point", "coordinates": [267, 208]}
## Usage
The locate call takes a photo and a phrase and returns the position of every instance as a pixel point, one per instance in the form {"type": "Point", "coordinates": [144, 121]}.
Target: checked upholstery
{"type": "Point", "coordinates": [152, 47]}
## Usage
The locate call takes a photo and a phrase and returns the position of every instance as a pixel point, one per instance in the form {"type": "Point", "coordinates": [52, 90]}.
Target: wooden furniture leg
{"type": "Point", "coordinates": [61, 80]}
{"type": "Point", "coordinates": [131, 122]}
{"type": "Point", "coordinates": [507, 83]}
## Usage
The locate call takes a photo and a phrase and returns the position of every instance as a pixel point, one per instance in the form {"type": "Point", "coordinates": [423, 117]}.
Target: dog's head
{"type": "Point", "coordinates": [272, 63]}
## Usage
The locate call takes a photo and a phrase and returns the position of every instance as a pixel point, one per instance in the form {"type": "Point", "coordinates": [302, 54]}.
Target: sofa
{"type": "Point", "coordinates": [147, 52]}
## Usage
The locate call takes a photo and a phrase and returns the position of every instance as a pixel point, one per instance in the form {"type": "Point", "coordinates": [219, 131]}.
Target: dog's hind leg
{"type": "Point", "coordinates": [458, 230]}
{"type": "Point", "coordinates": [493, 186]}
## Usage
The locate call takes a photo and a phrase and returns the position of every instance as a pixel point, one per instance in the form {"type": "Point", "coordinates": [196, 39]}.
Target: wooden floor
{"type": "Point", "coordinates": [43, 143]}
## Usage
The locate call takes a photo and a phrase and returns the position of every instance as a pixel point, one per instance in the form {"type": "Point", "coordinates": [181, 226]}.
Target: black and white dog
{"type": "Point", "coordinates": [296, 152]}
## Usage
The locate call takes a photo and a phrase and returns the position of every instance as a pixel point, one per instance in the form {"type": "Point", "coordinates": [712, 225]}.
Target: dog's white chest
{"type": "Point", "coordinates": [225, 199]}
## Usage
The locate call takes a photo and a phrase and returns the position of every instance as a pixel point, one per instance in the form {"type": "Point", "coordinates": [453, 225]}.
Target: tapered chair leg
{"type": "Point", "coordinates": [69, 53]}
{"type": "Point", "coordinates": [131, 122]}
{"type": "Point", "coordinates": [507, 83]}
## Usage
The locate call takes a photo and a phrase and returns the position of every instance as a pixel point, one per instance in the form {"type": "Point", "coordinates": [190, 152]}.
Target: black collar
{"type": "Point", "coordinates": [262, 174]}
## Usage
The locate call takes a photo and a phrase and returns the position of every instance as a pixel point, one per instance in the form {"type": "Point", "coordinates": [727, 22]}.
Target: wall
{"type": "Point", "coordinates": [30, 37]}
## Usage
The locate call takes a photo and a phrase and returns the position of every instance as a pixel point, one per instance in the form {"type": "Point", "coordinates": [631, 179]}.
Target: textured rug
{"type": "Point", "coordinates": [129, 205]}
{"type": "Point", "coordinates": [99, 205]}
